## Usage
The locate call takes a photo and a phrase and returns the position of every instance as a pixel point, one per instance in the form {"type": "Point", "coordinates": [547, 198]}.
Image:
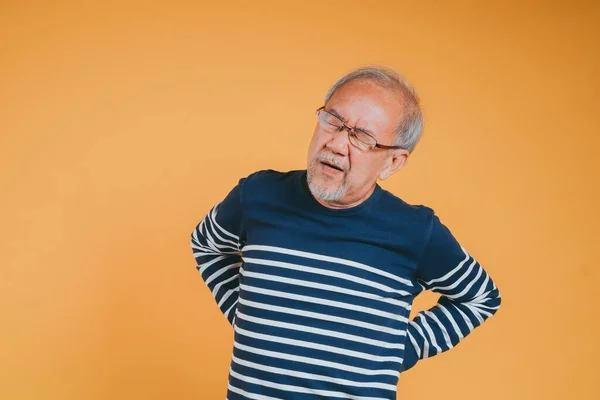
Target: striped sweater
{"type": "Point", "coordinates": [319, 298]}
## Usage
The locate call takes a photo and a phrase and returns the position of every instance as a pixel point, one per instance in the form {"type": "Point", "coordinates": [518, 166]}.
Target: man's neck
{"type": "Point", "coordinates": [347, 201]}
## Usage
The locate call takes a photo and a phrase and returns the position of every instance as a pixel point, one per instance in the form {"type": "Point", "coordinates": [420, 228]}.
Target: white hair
{"type": "Point", "coordinates": [410, 127]}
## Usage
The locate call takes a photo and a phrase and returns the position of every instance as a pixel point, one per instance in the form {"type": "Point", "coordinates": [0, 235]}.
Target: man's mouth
{"type": "Point", "coordinates": [328, 164]}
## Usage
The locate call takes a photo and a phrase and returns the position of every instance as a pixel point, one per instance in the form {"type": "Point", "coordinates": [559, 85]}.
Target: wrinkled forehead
{"type": "Point", "coordinates": [368, 106]}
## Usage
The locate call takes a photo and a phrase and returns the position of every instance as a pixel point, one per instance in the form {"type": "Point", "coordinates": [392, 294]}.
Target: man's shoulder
{"type": "Point", "coordinates": [391, 203]}
{"type": "Point", "coordinates": [270, 179]}
{"type": "Point", "coordinates": [271, 174]}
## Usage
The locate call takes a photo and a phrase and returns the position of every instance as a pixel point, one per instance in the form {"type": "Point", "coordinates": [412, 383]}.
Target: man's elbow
{"type": "Point", "coordinates": [493, 302]}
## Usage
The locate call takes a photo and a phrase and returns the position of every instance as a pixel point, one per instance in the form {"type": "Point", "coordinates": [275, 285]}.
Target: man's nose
{"type": "Point", "coordinates": [339, 142]}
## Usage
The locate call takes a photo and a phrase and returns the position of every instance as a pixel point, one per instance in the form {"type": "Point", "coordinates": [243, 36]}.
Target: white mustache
{"type": "Point", "coordinates": [330, 158]}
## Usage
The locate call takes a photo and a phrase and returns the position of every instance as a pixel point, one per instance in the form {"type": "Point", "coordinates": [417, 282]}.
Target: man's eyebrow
{"type": "Point", "coordinates": [334, 112]}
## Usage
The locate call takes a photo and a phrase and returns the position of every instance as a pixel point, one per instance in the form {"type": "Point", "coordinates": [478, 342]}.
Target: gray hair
{"type": "Point", "coordinates": [409, 130]}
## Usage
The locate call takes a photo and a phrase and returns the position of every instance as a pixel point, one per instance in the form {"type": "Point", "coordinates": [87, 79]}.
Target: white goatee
{"type": "Point", "coordinates": [323, 191]}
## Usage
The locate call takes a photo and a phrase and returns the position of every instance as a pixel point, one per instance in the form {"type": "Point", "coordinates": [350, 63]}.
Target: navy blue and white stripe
{"type": "Point", "coordinates": [320, 300]}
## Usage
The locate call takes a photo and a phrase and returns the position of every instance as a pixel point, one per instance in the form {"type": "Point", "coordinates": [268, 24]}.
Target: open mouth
{"type": "Point", "coordinates": [332, 166]}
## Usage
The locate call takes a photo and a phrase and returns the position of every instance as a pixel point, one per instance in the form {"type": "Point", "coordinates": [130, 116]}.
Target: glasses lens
{"type": "Point", "coordinates": [366, 140]}
{"type": "Point", "coordinates": [329, 121]}
{"type": "Point", "coordinates": [357, 143]}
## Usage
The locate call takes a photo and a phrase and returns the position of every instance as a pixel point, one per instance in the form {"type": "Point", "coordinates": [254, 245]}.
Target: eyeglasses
{"type": "Point", "coordinates": [358, 138]}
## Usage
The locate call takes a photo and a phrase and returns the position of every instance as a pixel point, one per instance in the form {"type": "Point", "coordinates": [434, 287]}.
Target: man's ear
{"type": "Point", "coordinates": [396, 160]}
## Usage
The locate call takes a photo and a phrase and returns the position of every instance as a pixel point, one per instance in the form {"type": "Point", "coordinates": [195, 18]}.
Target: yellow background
{"type": "Point", "coordinates": [123, 123]}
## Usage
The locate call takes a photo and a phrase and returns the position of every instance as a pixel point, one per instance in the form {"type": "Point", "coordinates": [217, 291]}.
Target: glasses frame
{"type": "Point", "coordinates": [351, 129]}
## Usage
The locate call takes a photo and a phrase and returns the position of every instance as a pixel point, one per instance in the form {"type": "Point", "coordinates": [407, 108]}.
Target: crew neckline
{"type": "Point", "coordinates": [320, 208]}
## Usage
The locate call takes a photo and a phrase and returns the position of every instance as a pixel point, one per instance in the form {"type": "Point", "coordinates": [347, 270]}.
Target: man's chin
{"type": "Point", "coordinates": [325, 190]}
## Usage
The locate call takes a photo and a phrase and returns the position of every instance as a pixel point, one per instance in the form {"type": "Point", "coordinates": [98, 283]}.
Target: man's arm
{"type": "Point", "coordinates": [468, 297]}
{"type": "Point", "coordinates": [216, 244]}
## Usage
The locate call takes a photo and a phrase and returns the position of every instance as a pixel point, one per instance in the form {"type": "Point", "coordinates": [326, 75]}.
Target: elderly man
{"type": "Point", "coordinates": [317, 269]}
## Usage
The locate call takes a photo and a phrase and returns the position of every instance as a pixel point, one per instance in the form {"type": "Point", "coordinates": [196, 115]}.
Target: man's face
{"type": "Point", "coordinates": [364, 105]}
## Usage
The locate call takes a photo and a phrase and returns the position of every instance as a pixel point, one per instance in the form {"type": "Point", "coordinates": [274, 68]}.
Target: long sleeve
{"type": "Point", "coordinates": [468, 296]}
{"type": "Point", "coordinates": [216, 244]}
